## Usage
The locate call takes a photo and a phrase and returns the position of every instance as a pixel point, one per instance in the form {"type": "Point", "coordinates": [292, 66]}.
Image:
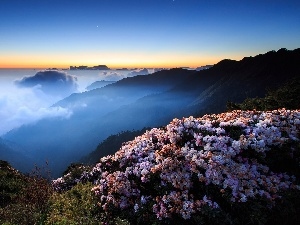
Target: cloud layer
{"type": "Point", "coordinates": [23, 106]}
{"type": "Point", "coordinates": [112, 76]}
{"type": "Point", "coordinates": [27, 99]}
{"type": "Point", "coordinates": [115, 76]}
{"type": "Point", "coordinates": [138, 72]}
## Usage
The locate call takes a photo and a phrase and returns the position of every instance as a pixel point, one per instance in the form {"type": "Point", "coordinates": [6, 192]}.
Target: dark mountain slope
{"type": "Point", "coordinates": [208, 91]}
{"type": "Point", "coordinates": [10, 152]}
{"type": "Point", "coordinates": [237, 80]}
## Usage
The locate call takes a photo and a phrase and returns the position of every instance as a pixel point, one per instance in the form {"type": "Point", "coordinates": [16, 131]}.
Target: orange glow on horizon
{"type": "Point", "coordinates": [113, 61]}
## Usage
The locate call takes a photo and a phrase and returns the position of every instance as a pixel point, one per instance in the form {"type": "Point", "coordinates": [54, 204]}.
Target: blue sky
{"type": "Point", "coordinates": [138, 33]}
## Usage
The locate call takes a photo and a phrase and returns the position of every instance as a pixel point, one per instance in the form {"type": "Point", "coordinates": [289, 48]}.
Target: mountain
{"type": "Point", "coordinates": [62, 141]}
{"type": "Point", "coordinates": [203, 67]}
{"type": "Point", "coordinates": [236, 80]}
{"type": "Point", "coordinates": [150, 101]}
{"type": "Point", "coordinates": [11, 152]}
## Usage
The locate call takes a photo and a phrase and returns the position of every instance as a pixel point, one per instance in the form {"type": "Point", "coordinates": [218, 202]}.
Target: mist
{"type": "Point", "coordinates": [26, 96]}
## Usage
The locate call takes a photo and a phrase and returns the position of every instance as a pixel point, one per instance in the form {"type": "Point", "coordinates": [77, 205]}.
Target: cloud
{"type": "Point", "coordinates": [25, 114]}
{"type": "Point", "coordinates": [50, 82]}
{"type": "Point", "coordinates": [23, 106]}
{"type": "Point", "coordinates": [138, 72]}
{"type": "Point", "coordinates": [158, 69]}
{"type": "Point", "coordinates": [113, 76]}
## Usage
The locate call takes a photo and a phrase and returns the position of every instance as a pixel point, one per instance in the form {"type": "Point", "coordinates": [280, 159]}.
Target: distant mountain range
{"type": "Point", "coordinates": [149, 101]}
{"type": "Point", "coordinates": [203, 67]}
{"type": "Point", "coordinates": [98, 84]}
{"type": "Point", "coordinates": [99, 67]}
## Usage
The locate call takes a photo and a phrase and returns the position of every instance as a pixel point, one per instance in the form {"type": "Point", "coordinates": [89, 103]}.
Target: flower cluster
{"type": "Point", "coordinates": [73, 176]}
{"type": "Point", "coordinates": [170, 169]}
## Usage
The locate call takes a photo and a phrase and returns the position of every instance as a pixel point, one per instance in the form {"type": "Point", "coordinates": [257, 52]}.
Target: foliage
{"type": "Point", "coordinates": [78, 206]}
{"type": "Point", "coordinates": [75, 206]}
{"type": "Point", "coordinates": [286, 96]}
{"type": "Point", "coordinates": [27, 201]}
{"type": "Point", "coordinates": [11, 183]}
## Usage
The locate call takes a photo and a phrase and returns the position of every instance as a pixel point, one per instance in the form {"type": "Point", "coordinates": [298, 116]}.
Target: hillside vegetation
{"type": "Point", "coordinates": [239, 167]}
{"type": "Point", "coordinates": [285, 96]}
{"type": "Point", "coordinates": [24, 199]}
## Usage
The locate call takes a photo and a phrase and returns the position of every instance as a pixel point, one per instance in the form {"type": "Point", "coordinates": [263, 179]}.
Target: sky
{"type": "Point", "coordinates": [142, 33]}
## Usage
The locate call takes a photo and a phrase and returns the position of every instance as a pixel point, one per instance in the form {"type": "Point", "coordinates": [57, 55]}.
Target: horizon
{"type": "Point", "coordinates": [134, 68]}
{"type": "Point", "coordinates": [142, 34]}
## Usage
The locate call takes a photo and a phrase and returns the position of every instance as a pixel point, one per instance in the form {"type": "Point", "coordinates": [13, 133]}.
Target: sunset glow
{"type": "Point", "coordinates": [164, 33]}
{"type": "Point", "coordinates": [129, 60]}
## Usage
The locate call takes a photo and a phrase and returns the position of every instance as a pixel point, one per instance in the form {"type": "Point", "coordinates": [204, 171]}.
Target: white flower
{"type": "Point", "coordinates": [136, 207]}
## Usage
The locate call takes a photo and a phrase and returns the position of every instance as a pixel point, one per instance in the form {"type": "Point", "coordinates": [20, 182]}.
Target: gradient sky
{"type": "Point", "coordinates": [142, 33]}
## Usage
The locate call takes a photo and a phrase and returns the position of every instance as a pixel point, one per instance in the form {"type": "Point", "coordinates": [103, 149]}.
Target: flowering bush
{"type": "Point", "coordinates": [200, 168]}
{"type": "Point", "coordinates": [71, 177]}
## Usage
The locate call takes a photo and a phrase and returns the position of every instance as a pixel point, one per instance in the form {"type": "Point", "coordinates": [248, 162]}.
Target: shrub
{"type": "Point", "coordinates": [11, 183]}
{"type": "Point", "coordinates": [28, 203]}
{"type": "Point", "coordinates": [75, 206]}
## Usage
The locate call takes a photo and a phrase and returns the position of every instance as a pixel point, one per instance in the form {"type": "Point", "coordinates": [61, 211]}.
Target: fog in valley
{"type": "Point", "coordinates": [26, 95]}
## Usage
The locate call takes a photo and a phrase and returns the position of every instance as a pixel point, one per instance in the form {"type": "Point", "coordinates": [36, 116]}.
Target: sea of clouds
{"type": "Point", "coordinates": [26, 96]}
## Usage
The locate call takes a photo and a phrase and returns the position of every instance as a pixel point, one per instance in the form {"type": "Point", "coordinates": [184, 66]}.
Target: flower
{"type": "Point", "coordinates": [162, 168]}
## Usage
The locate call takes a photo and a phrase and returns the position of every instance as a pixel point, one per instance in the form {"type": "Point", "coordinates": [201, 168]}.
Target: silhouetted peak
{"type": "Point", "coordinates": [282, 50]}
{"type": "Point", "coordinates": [224, 64]}
{"type": "Point", "coordinates": [226, 61]}
{"type": "Point", "coordinates": [261, 60]}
